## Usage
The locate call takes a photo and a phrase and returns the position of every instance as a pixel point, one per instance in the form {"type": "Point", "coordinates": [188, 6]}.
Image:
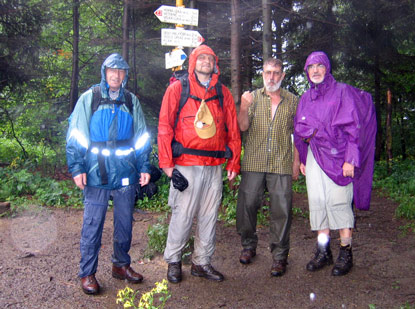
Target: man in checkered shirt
{"type": "Point", "coordinates": [266, 116]}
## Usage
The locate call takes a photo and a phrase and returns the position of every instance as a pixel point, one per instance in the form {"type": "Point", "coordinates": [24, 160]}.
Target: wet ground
{"type": "Point", "coordinates": [39, 254]}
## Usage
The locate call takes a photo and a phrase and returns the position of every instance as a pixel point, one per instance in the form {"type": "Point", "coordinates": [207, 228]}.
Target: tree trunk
{"type": "Point", "coordinates": [389, 129]}
{"type": "Point", "coordinates": [246, 52]}
{"type": "Point", "coordinates": [125, 33]}
{"type": "Point", "coordinates": [266, 32]}
{"type": "Point", "coordinates": [73, 94]}
{"type": "Point", "coordinates": [401, 121]}
{"type": "Point", "coordinates": [235, 51]}
{"type": "Point", "coordinates": [278, 18]}
{"type": "Point", "coordinates": [134, 70]}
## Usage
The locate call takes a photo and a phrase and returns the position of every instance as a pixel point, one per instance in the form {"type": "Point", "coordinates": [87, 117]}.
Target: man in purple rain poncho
{"type": "Point", "coordinates": [334, 132]}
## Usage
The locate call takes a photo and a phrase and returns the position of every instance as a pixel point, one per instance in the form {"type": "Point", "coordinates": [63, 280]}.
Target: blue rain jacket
{"type": "Point", "coordinates": [110, 123]}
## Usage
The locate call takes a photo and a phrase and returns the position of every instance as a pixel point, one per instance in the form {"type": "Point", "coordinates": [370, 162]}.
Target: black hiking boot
{"type": "Point", "coordinates": [344, 262]}
{"type": "Point", "coordinates": [321, 258]}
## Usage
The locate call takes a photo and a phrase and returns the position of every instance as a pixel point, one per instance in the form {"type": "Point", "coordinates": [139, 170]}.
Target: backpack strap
{"type": "Point", "coordinates": [96, 99]}
{"type": "Point", "coordinates": [129, 100]}
{"type": "Point", "coordinates": [184, 96]}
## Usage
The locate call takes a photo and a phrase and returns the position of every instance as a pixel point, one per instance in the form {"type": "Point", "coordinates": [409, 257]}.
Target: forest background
{"type": "Point", "coordinates": [51, 51]}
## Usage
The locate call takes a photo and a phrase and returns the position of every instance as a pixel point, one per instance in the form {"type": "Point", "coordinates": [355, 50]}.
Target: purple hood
{"type": "Point", "coordinates": [339, 121]}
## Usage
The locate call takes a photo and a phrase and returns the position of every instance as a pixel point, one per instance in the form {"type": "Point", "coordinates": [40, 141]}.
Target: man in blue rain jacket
{"type": "Point", "coordinates": [107, 153]}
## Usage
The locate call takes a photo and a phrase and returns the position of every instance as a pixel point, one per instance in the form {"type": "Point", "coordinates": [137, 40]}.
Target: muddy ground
{"type": "Point", "coordinates": [39, 255]}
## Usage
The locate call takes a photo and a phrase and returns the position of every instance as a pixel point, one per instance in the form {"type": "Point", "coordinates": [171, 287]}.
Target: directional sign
{"type": "Point", "coordinates": [175, 58]}
{"type": "Point", "coordinates": [178, 37]}
{"type": "Point", "coordinates": [177, 15]}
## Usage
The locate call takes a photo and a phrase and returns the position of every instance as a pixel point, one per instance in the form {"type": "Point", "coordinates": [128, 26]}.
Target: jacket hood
{"type": "Point", "coordinates": [314, 58]}
{"type": "Point", "coordinates": [317, 57]}
{"type": "Point", "coordinates": [203, 49]}
{"type": "Point", "coordinates": [115, 61]}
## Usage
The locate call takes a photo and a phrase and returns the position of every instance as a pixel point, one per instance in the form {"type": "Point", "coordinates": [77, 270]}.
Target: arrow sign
{"type": "Point", "coordinates": [178, 37]}
{"type": "Point", "coordinates": [175, 58]}
{"type": "Point", "coordinates": [177, 15]}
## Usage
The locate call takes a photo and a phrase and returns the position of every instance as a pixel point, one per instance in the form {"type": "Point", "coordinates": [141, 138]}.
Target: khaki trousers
{"type": "Point", "coordinates": [201, 199]}
{"type": "Point", "coordinates": [330, 204]}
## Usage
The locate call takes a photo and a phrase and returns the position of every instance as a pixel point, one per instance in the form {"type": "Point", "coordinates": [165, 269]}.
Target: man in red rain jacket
{"type": "Point", "coordinates": [206, 131]}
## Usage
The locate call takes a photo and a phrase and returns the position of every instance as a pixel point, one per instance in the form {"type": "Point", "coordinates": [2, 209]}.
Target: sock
{"type": "Point", "coordinates": [345, 241]}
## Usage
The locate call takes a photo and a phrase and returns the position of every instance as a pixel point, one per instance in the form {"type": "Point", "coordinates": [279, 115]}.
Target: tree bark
{"type": "Point", "coordinates": [125, 32]}
{"type": "Point", "coordinates": [389, 129]}
{"type": "Point", "coordinates": [235, 51]}
{"type": "Point", "coordinates": [73, 94]}
{"type": "Point", "coordinates": [267, 31]}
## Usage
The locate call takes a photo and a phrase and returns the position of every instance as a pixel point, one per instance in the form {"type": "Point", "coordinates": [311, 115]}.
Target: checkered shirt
{"type": "Point", "coordinates": [268, 142]}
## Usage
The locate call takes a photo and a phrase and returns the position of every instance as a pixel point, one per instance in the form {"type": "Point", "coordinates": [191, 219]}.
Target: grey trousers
{"type": "Point", "coordinates": [251, 192]}
{"type": "Point", "coordinates": [201, 199]}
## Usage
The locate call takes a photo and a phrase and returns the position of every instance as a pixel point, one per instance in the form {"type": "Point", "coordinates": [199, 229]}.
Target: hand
{"type": "Point", "coordinates": [302, 168]}
{"type": "Point", "coordinates": [168, 171]}
{"type": "Point", "coordinates": [231, 175]}
{"type": "Point", "coordinates": [144, 179]}
{"type": "Point", "coordinates": [80, 180]}
{"type": "Point", "coordinates": [246, 100]}
{"type": "Point", "coordinates": [348, 170]}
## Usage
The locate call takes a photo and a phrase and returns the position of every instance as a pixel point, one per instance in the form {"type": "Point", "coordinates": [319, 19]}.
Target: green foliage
{"type": "Point", "coordinates": [157, 237]}
{"type": "Point", "coordinates": [227, 212]}
{"type": "Point", "coordinates": [299, 185]}
{"type": "Point", "coordinates": [398, 184]}
{"type": "Point", "coordinates": [407, 228]}
{"type": "Point", "coordinates": [22, 185]}
{"type": "Point", "coordinates": [127, 297]}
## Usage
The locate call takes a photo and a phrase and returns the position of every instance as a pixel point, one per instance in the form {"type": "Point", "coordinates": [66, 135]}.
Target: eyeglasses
{"type": "Point", "coordinates": [317, 66]}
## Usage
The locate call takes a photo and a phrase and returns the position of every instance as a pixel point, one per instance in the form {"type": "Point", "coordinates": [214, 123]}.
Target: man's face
{"type": "Point", "coordinates": [272, 77]}
{"type": "Point", "coordinates": [316, 72]}
{"type": "Point", "coordinates": [114, 78]}
{"type": "Point", "coordinates": [205, 64]}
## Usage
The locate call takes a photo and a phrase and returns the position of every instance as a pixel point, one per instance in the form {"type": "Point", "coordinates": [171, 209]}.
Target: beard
{"type": "Point", "coordinates": [272, 86]}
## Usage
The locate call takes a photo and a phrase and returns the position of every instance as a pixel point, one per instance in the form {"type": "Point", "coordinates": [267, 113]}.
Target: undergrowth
{"type": "Point", "coordinates": [399, 184]}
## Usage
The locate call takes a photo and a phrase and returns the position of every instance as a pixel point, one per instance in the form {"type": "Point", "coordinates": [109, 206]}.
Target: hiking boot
{"type": "Point", "coordinates": [174, 272]}
{"type": "Point", "coordinates": [279, 267]}
{"type": "Point", "coordinates": [247, 255]}
{"type": "Point", "coordinates": [321, 258]}
{"type": "Point", "coordinates": [344, 262]}
{"type": "Point", "coordinates": [90, 285]}
{"type": "Point", "coordinates": [126, 273]}
{"type": "Point", "coordinates": [206, 271]}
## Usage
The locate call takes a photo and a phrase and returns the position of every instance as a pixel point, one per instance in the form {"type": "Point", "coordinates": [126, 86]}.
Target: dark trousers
{"type": "Point", "coordinates": [250, 195]}
{"type": "Point", "coordinates": [95, 209]}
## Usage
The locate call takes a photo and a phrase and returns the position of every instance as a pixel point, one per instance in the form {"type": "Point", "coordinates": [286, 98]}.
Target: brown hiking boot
{"type": "Point", "coordinates": [247, 255]}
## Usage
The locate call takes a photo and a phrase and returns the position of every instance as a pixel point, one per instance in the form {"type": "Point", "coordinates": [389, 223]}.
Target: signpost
{"type": "Point", "coordinates": [177, 15]}
{"type": "Point", "coordinates": [177, 37]}
{"type": "Point", "coordinates": [175, 58]}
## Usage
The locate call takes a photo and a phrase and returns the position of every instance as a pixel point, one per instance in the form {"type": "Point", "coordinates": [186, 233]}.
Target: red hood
{"type": "Point", "coordinates": [203, 49]}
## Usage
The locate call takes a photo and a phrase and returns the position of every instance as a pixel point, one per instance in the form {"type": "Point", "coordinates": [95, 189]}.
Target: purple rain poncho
{"type": "Point", "coordinates": [340, 122]}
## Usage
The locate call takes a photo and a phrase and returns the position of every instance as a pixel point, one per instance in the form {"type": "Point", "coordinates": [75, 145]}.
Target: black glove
{"type": "Point", "coordinates": [179, 181]}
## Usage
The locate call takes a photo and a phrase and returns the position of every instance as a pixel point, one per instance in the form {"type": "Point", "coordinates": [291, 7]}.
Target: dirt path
{"type": "Point", "coordinates": [39, 256]}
